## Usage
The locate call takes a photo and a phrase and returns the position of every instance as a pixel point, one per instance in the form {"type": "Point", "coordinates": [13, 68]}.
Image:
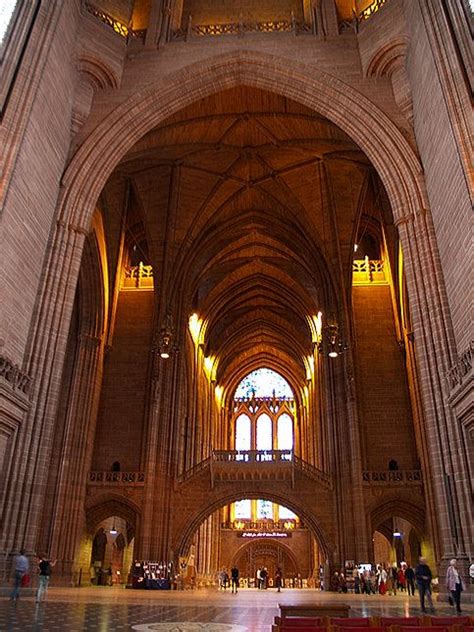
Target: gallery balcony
{"type": "Point", "coordinates": [258, 465]}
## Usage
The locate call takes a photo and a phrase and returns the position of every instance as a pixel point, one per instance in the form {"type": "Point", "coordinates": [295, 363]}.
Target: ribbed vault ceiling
{"type": "Point", "coordinates": [256, 197]}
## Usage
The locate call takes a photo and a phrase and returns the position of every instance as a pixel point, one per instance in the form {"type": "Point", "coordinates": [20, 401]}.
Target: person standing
{"type": "Point", "coordinates": [454, 584]}
{"type": "Point", "coordinates": [234, 575]}
{"type": "Point", "coordinates": [44, 569]}
{"type": "Point", "coordinates": [410, 580]}
{"type": "Point", "coordinates": [423, 579]}
{"type": "Point", "coordinates": [278, 579]}
{"type": "Point", "coordinates": [22, 566]}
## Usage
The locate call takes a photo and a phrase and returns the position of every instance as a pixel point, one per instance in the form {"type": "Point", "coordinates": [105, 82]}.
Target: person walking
{"type": "Point", "coordinates": [423, 578]}
{"type": "Point", "coordinates": [278, 579]}
{"type": "Point", "coordinates": [410, 579]}
{"type": "Point", "coordinates": [22, 566]}
{"type": "Point", "coordinates": [455, 584]}
{"type": "Point", "coordinates": [234, 574]}
{"type": "Point", "coordinates": [44, 569]}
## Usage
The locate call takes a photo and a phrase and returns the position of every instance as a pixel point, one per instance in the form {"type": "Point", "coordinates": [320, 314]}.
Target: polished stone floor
{"type": "Point", "coordinates": [104, 609]}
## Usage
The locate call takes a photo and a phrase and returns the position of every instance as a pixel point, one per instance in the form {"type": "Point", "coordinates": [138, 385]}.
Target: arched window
{"type": "Point", "coordinates": [264, 411]}
{"type": "Point", "coordinates": [264, 510]}
{"type": "Point", "coordinates": [263, 383]}
{"type": "Point", "coordinates": [264, 432]}
{"type": "Point", "coordinates": [285, 432]}
{"type": "Point", "coordinates": [285, 514]}
{"type": "Point", "coordinates": [243, 435]}
{"type": "Point", "coordinates": [243, 510]}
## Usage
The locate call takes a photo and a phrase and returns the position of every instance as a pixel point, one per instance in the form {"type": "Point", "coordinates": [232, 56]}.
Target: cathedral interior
{"type": "Point", "coordinates": [236, 287]}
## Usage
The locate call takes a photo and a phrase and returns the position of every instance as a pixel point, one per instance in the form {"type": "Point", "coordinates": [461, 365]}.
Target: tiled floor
{"type": "Point", "coordinates": [104, 609]}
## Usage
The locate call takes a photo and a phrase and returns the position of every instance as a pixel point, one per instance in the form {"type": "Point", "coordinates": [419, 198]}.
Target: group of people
{"type": "Point", "coordinates": [387, 580]}
{"type": "Point", "coordinates": [22, 576]}
{"type": "Point", "coordinates": [261, 579]}
{"type": "Point", "coordinates": [224, 579]}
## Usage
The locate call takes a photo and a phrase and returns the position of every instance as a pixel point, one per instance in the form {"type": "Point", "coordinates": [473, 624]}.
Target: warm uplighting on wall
{"type": "Point", "coordinates": [210, 367]}
{"type": "Point", "coordinates": [218, 393]}
{"type": "Point", "coordinates": [309, 368]}
{"type": "Point", "coordinates": [195, 326]}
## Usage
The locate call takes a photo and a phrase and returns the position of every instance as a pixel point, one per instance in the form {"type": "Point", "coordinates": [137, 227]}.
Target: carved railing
{"type": "Point", "coordinates": [140, 276]}
{"type": "Point", "coordinates": [227, 465]}
{"type": "Point", "coordinates": [367, 271]}
{"type": "Point", "coordinates": [371, 9]}
{"type": "Point", "coordinates": [116, 478]}
{"type": "Point", "coordinates": [242, 27]}
{"type": "Point", "coordinates": [312, 471]}
{"type": "Point", "coordinates": [392, 477]}
{"type": "Point", "coordinates": [118, 27]}
{"type": "Point", "coordinates": [199, 467]}
{"type": "Point", "coordinates": [368, 12]}
{"type": "Point", "coordinates": [252, 456]}
{"type": "Point", "coordinates": [462, 368]}
{"type": "Point", "coordinates": [16, 378]}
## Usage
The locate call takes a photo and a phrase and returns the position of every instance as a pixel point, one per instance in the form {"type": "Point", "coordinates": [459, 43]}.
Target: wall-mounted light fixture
{"type": "Point", "coordinates": [330, 342]}
{"type": "Point", "coordinates": [166, 337]}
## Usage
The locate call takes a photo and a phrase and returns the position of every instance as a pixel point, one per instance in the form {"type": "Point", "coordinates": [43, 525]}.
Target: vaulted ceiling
{"type": "Point", "coordinates": [257, 200]}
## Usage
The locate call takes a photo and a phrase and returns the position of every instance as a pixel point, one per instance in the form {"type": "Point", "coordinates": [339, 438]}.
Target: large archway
{"type": "Point", "coordinates": [383, 143]}
{"type": "Point", "coordinates": [95, 160]}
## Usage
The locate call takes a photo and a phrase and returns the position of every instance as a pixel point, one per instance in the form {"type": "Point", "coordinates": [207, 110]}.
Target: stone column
{"type": "Point", "coordinates": [443, 457]}
{"type": "Point", "coordinates": [26, 487]}
{"type": "Point", "coordinates": [69, 520]}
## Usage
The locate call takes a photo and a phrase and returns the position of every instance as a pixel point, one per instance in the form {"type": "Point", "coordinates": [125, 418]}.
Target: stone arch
{"type": "Point", "coordinates": [113, 505]}
{"type": "Point", "coordinates": [402, 508]}
{"type": "Point", "coordinates": [182, 540]}
{"type": "Point", "coordinates": [383, 143]}
{"type": "Point", "coordinates": [284, 546]}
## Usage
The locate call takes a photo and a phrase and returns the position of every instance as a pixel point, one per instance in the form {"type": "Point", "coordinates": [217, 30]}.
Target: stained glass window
{"type": "Point", "coordinates": [263, 383]}
{"type": "Point", "coordinates": [243, 510]}
{"type": "Point", "coordinates": [264, 510]}
{"type": "Point", "coordinates": [285, 514]}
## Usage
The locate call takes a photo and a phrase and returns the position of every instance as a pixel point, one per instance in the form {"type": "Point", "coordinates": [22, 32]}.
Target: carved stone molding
{"type": "Point", "coordinates": [461, 370]}
{"type": "Point", "coordinates": [17, 379]}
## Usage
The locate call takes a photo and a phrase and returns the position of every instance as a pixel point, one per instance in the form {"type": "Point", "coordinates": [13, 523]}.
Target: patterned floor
{"type": "Point", "coordinates": [109, 609]}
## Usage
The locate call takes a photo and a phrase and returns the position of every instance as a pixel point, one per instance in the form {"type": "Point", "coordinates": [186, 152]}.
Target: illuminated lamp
{"type": "Point", "coordinates": [113, 531]}
{"type": "Point", "coordinates": [397, 534]}
{"type": "Point", "coordinates": [333, 353]}
{"type": "Point", "coordinates": [166, 338]}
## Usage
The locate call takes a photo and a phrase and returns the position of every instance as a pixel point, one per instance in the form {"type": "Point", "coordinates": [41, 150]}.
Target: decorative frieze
{"type": "Point", "coordinates": [458, 373]}
{"type": "Point", "coordinates": [16, 378]}
{"type": "Point", "coordinates": [392, 477]}
{"type": "Point", "coordinates": [112, 478]}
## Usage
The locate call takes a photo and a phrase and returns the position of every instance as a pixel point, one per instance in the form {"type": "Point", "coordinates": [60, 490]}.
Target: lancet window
{"type": "Point", "coordinates": [263, 415]}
